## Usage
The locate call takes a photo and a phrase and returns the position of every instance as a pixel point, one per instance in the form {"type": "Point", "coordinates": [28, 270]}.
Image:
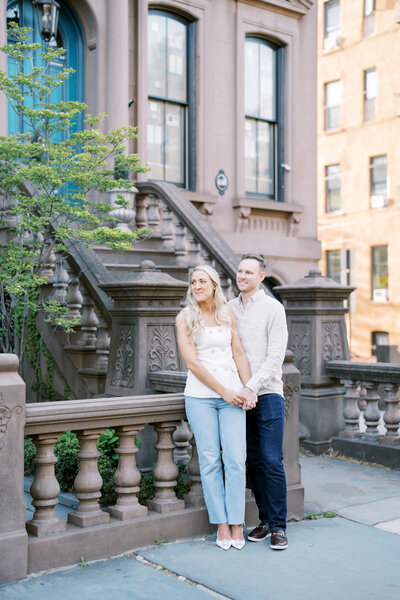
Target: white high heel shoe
{"type": "Point", "coordinates": [224, 544]}
{"type": "Point", "coordinates": [238, 544]}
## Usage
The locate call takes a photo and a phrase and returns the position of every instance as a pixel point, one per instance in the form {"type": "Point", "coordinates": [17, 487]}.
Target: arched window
{"type": "Point", "coordinates": [263, 150]}
{"type": "Point", "coordinates": [69, 36]}
{"type": "Point", "coordinates": [171, 87]}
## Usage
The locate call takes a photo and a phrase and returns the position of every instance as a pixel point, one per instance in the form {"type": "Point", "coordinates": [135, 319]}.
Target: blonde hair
{"type": "Point", "coordinates": [193, 313]}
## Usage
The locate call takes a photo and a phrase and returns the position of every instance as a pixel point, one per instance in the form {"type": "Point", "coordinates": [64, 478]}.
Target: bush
{"type": "Point", "coordinates": [107, 469]}
{"type": "Point", "coordinates": [66, 449]}
{"type": "Point", "coordinates": [29, 454]}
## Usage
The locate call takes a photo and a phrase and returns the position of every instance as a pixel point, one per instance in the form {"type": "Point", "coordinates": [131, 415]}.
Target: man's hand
{"type": "Point", "coordinates": [250, 398]}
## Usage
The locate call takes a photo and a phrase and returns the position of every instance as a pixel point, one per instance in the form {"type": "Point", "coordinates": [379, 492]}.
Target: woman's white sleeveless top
{"type": "Point", "coordinates": [214, 351]}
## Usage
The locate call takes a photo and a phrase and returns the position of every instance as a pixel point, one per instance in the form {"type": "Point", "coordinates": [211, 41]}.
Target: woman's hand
{"type": "Point", "coordinates": [232, 398]}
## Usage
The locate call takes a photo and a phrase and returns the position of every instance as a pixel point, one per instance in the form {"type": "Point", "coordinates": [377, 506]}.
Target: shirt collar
{"type": "Point", "coordinates": [254, 298]}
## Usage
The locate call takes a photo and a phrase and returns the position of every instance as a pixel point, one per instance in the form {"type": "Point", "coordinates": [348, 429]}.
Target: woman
{"type": "Point", "coordinates": [217, 371]}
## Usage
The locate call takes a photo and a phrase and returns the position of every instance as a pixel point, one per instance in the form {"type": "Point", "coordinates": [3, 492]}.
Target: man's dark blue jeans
{"type": "Point", "coordinates": [264, 436]}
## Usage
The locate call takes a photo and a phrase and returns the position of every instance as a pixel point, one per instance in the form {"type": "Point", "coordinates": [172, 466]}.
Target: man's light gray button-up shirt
{"type": "Point", "coordinates": [263, 332]}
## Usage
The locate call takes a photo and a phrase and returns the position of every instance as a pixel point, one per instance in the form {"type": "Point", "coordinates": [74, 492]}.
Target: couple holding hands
{"type": "Point", "coordinates": [234, 398]}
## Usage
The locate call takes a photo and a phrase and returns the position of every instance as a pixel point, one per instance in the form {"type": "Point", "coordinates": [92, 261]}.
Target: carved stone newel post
{"type": "Point", "coordinates": [317, 334]}
{"type": "Point", "coordinates": [13, 536]}
{"type": "Point", "coordinates": [143, 337]}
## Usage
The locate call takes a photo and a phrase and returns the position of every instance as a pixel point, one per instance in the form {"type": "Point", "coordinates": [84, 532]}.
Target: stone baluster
{"type": "Point", "coordinates": [141, 211]}
{"type": "Point", "coordinates": [195, 496]}
{"type": "Point", "coordinates": [123, 215]}
{"type": "Point", "coordinates": [167, 228]}
{"type": "Point", "coordinates": [165, 471]}
{"type": "Point", "coordinates": [102, 345]}
{"type": "Point", "coordinates": [361, 400]}
{"type": "Point", "coordinates": [88, 483]}
{"type": "Point", "coordinates": [89, 323]}
{"type": "Point", "coordinates": [127, 476]}
{"type": "Point", "coordinates": [391, 416]}
{"type": "Point", "coordinates": [207, 257]}
{"type": "Point", "coordinates": [45, 488]}
{"type": "Point", "coordinates": [60, 282]}
{"type": "Point", "coordinates": [153, 213]}
{"type": "Point", "coordinates": [181, 437]}
{"type": "Point", "coordinates": [181, 250]}
{"type": "Point", "coordinates": [195, 257]}
{"type": "Point", "coordinates": [371, 412]}
{"type": "Point", "coordinates": [74, 298]}
{"type": "Point", "coordinates": [226, 284]}
{"type": "Point", "coordinates": [49, 260]}
{"type": "Point", "coordinates": [351, 412]}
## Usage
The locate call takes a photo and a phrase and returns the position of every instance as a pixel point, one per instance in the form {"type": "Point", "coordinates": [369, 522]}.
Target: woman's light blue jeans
{"type": "Point", "coordinates": [216, 424]}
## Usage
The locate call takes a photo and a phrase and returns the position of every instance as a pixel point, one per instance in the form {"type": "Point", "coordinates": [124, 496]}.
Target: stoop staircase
{"type": "Point", "coordinates": [180, 239]}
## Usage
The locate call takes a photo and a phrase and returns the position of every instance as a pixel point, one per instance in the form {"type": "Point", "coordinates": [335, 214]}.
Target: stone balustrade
{"type": "Point", "coordinates": [366, 433]}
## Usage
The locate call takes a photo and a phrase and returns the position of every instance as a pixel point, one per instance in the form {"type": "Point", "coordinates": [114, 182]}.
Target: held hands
{"type": "Point", "coordinates": [249, 397]}
{"type": "Point", "coordinates": [232, 398]}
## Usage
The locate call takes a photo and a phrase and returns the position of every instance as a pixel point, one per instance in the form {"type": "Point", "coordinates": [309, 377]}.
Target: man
{"type": "Point", "coordinates": [261, 323]}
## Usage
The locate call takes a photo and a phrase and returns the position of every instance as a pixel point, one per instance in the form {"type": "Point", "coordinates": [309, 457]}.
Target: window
{"type": "Point", "coordinates": [70, 37]}
{"type": "Point", "coordinates": [378, 338]}
{"type": "Point", "coordinates": [369, 18]}
{"type": "Point", "coordinates": [263, 151]}
{"type": "Point", "coordinates": [331, 24]}
{"type": "Point", "coordinates": [379, 273]}
{"type": "Point", "coordinates": [333, 97]}
{"type": "Point", "coordinates": [334, 264]}
{"type": "Point", "coordinates": [370, 93]}
{"type": "Point", "coordinates": [378, 181]}
{"type": "Point", "coordinates": [170, 124]}
{"type": "Point", "coordinates": [333, 176]}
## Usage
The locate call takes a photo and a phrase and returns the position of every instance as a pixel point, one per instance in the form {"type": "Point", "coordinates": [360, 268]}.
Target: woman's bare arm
{"type": "Point", "coordinates": [239, 355]}
{"type": "Point", "coordinates": [189, 355]}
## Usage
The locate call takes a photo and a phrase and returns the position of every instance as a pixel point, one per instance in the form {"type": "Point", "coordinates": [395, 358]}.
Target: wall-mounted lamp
{"type": "Point", "coordinates": [47, 16]}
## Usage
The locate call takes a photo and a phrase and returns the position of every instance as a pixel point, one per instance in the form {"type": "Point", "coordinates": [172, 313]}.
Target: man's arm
{"type": "Point", "coordinates": [277, 343]}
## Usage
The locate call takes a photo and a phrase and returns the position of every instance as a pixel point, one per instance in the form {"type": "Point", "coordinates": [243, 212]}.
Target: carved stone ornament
{"type": "Point", "coordinates": [287, 395]}
{"type": "Point", "coordinates": [123, 370]}
{"type": "Point", "coordinates": [5, 416]}
{"type": "Point", "coordinates": [163, 352]}
{"type": "Point", "coordinates": [301, 348]}
{"type": "Point", "coordinates": [332, 345]}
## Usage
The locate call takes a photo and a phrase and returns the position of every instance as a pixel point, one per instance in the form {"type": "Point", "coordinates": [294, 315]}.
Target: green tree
{"type": "Point", "coordinates": [49, 179]}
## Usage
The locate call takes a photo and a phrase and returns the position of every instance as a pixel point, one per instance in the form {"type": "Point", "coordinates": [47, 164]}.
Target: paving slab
{"type": "Point", "coordinates": [118, 579]}
{"type": "Point", "coordinates": [331, 484]}
{"type": "Point", "coordinates": [326, 558]}
{"type": "Point", "coordinates": [391, 526]}
{"type": "Point", "coordinates": [372, 513]}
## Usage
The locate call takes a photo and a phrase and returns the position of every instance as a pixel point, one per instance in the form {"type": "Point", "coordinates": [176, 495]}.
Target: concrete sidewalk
{"type": "Point", "coordinates": [355, 555]}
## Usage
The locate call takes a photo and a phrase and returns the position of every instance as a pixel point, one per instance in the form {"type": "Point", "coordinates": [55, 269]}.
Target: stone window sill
{"type": "Point", "coordinates": [247, 207]}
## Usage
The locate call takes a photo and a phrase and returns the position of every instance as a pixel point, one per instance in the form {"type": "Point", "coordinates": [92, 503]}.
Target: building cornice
{"type": "Point", "coordinates": [298, 7]}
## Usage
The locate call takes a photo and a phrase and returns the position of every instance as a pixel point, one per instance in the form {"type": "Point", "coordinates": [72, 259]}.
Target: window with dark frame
{"type": "Point", "coordinates": [263, 139]}
{"type": "Point", "coordinates": [378, 181]}
{"type": "Point", "coordinates": [379, 273]}
{"type": "Point", "coordinates": [378, 338]}
{"type": "Point", "coordinates": [331, 24]}
{"type": "Point", "coordinates": [171, 99]}
{"type": "Point", "coordinates": [333, 182]}
{"type": "Point", "coordinates": [334, 264]}
{"type": "Point", "coordinates": [333, 98]}
{"type": "Point", "coordinates": [370, 93]}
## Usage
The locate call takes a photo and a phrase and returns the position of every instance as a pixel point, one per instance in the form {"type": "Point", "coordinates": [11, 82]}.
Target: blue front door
{"type": "Point", "coordinates": [69, 36]}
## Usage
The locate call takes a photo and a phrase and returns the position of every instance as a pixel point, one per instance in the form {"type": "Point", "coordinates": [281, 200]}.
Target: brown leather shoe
{"type": "Point", "coordinates": [259, 533]}
{"type": "Point", "coordinates": [279, 540]}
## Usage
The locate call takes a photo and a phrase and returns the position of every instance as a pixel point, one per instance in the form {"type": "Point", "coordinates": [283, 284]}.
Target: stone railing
{"type": "Point", "coordinates": [47, 541]}
{"type": "Point", "coordinates": [367, 433]}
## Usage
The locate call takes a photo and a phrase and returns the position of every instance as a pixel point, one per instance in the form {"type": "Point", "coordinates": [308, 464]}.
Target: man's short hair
{"type": "Point", "coordinates": [258, 258]}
